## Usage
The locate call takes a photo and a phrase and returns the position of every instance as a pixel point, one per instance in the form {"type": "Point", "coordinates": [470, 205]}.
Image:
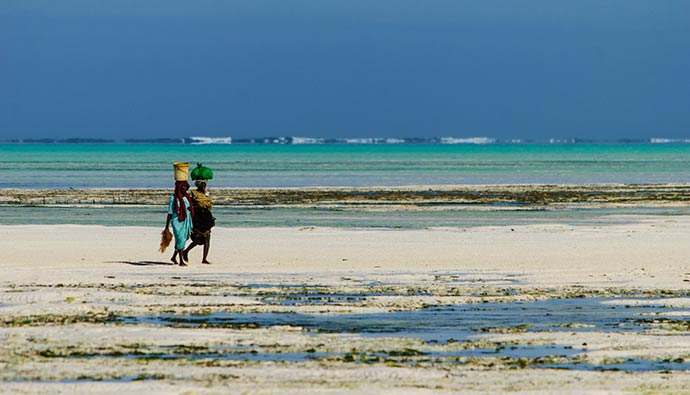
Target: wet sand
{"type": "Point", "coordinates": [511, 309]}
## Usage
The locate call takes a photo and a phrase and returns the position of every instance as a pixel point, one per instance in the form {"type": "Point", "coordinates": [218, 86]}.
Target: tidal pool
{"type": "Point", "coordinates": [443, 325]}
{"type": "Point", "coordinates": [438, 324]}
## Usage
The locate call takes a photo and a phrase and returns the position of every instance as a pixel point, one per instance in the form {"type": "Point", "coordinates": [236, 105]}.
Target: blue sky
{"type": "Point", "coordinates": [326, 68]}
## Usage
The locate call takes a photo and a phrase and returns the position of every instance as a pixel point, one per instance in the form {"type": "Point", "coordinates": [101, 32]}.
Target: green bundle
{"type": "Point", "coordinates": [202, 172]}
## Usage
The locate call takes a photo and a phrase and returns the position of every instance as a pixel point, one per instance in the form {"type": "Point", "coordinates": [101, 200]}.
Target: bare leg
{"type": "Point", "coordinates": [185, 253]}
{"type": "Point", "coordinates": [181, 260]}
{"type": "Point", "coordinates": [207, 246]}
{"type": "Point", "coordinates": [174, 261]}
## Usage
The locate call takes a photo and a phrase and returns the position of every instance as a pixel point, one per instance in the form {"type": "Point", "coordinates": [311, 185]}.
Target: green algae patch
{"type": "Point", "coordinates": [60, 319]}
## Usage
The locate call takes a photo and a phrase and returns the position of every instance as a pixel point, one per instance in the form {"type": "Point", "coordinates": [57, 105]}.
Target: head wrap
{"type": "Point", "coordinates": [179, 204]}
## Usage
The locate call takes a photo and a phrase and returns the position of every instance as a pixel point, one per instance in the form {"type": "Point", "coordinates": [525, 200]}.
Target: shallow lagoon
{"type": "Point", "coordinates": [353, 217]}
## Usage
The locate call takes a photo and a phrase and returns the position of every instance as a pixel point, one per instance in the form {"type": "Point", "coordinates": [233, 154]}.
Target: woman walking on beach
{"type": "Point", "coordinates": [180, 215]}
{"type": "Point", "coordinates": [203, 220]}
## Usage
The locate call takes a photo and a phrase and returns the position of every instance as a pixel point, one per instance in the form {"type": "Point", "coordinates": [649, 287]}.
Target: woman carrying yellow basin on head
{"type": "Point", "coordinates": [180, 212]}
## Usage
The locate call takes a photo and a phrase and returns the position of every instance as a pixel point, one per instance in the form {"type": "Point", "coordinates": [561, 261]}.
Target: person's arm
{"type": "Point", "coordinates": [170, 211]}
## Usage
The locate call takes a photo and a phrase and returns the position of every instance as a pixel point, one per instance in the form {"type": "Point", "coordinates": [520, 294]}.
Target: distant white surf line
{"type": "Point", "coordinates": [661, 140]}
{"type": "Point", "coordinates": [468, 140]}
{"type": "Point", "coordinates": [210, 140]}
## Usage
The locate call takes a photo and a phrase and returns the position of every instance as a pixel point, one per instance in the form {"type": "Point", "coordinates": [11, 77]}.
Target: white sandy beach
{"type": "Point", "coordinates": [91, 271]}
{"type": "Point", "coordinates": [650, 252]}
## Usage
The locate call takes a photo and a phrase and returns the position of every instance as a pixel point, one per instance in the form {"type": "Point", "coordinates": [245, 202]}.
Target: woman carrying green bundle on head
{"type": "Point", "coordinates": [203, 217]}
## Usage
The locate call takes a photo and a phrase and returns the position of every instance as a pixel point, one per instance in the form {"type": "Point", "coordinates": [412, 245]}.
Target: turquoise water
{"type": "Point", "coordinates": [44, 166]}
{"type": "Point", "coordinates": [62, 166]}
{"type": "Point", "coordinates": [253, 217]}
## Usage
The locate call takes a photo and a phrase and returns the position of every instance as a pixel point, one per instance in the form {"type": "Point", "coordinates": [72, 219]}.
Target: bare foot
{"type": "Point", "coordinates": [206, 262]}
{"type": "Point", "coordinates": [183, 264]}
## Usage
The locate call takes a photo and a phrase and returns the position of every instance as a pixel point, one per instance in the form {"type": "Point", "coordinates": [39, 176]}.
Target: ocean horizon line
{"type": "Point", "coordinates": [295, 140]}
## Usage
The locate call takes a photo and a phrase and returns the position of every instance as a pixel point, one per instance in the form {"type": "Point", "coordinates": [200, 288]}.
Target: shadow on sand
{"type": "Point", "coordinates": [145, 263]}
